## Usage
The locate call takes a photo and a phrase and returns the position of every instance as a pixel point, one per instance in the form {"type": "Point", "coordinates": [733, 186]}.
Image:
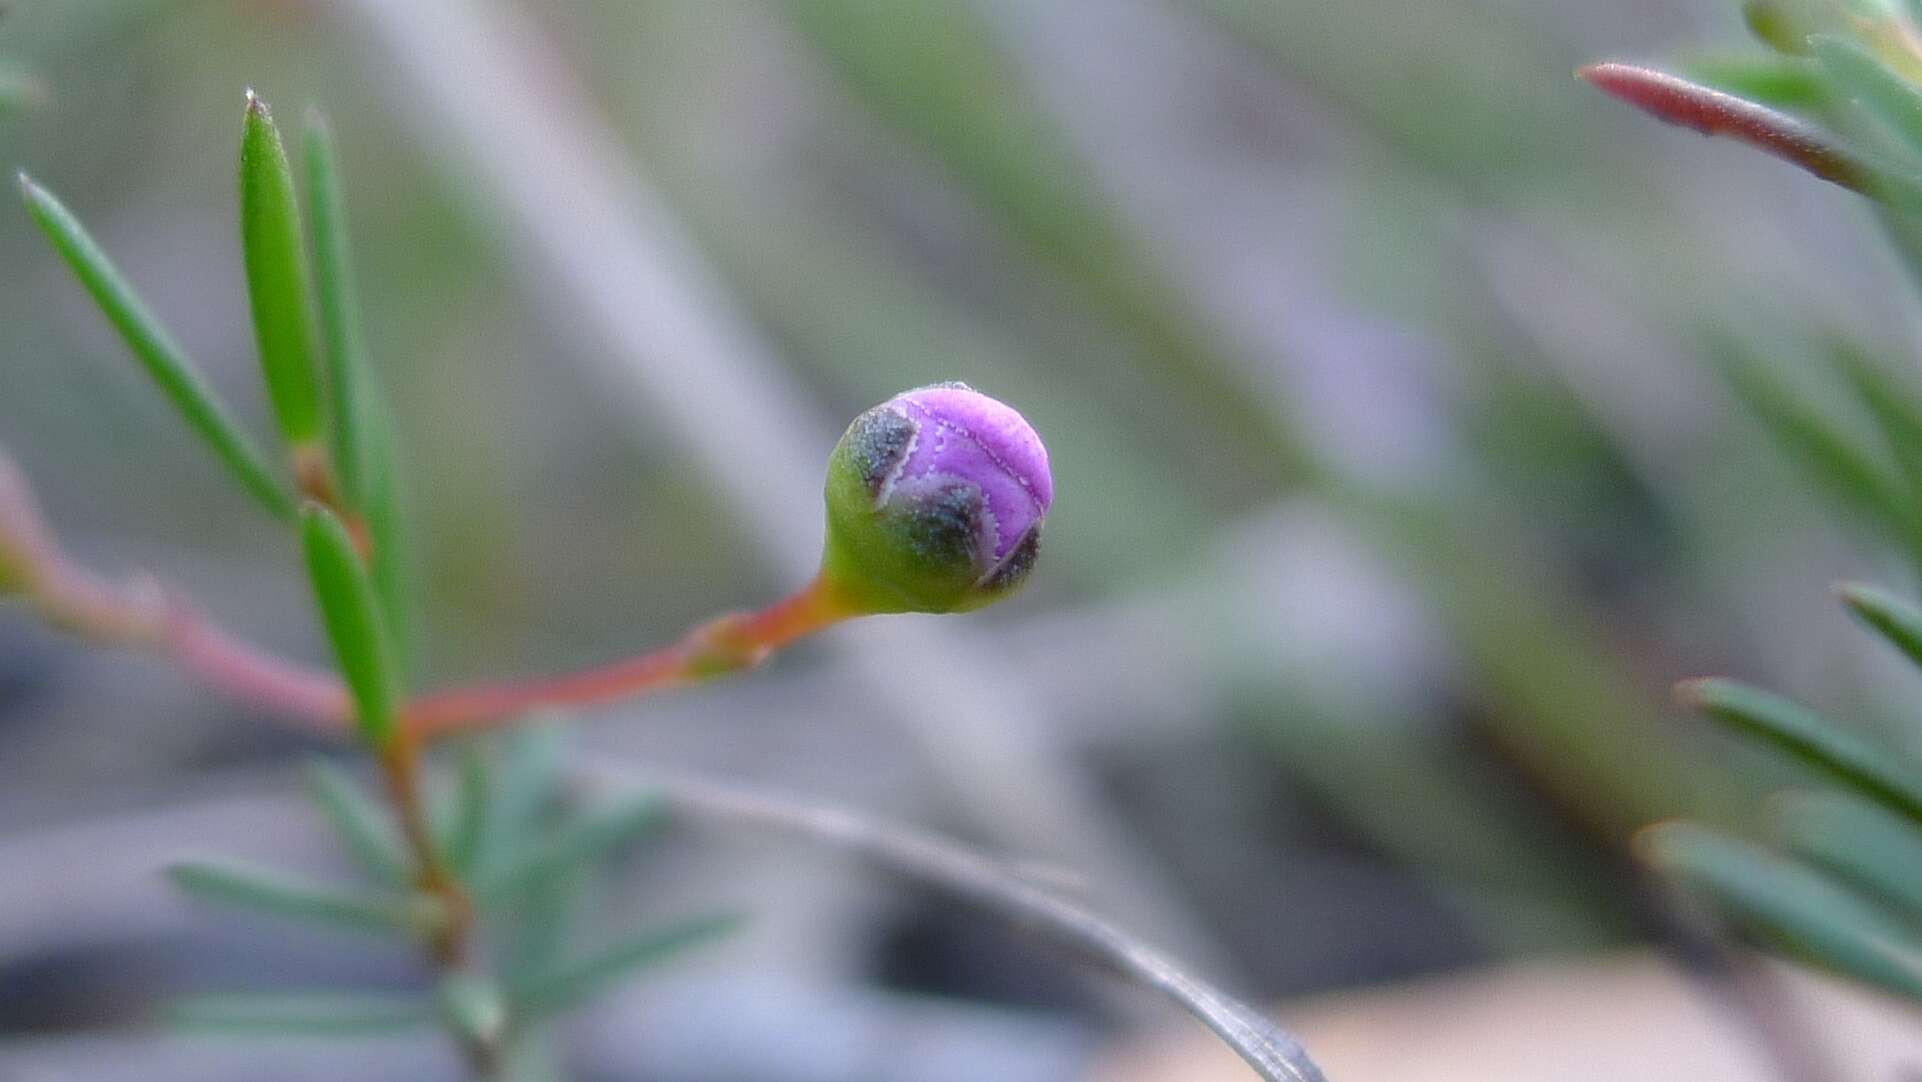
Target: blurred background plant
{"type": "Point", "coordinates": [1381, 364]}
{"type": "Point", "coordinates": [1841, 96]}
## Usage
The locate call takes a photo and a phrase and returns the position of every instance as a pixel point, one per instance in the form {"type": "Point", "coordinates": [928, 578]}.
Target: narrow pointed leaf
{"type": "Point", "coordinates": [465, 817]}
{"type": "Point", "coordinates": [582, 980]}
{"type": "Point", "coordinates": [1898, 622]}
{"type": "Point", "coordinates": [352, 617]}
{"type": "Point", "coordinates": [362, 823]}
{"type": "Point", "coordinates": [1851, 473]}
{"type": "Point", "coordinates": [1774, 24]}
{"type": "Point", "coordinates": [361, 423]}
{"type": "Point", "coordinates": [1712, 112]}
{"type": "Point", "coordinates": [311, 1014]}
{"type": "Point", "coordinates": [474, 1007]}
{"type": "Point", "coordinates": [1811, 738]}
{"type": "Point", "coordinates": [1780, 82]}
{"type": "Point", "coordinates": [1859, 843]}
{"type": "Point", "coordinates": [237, 886]}
{"type": "Point", "coordinates": [1799, 908]}
{"type": "Point", "coordinates": [1898, 415]}
{"type": "Point", "coordinates": [164, 361]}
{"type": "Point", "coordinates": [523, 792]}
{"type": "Point", "coordinates": [356, 455]}
{"type": "Point", "coordinates": [1888, 97]}
{"type": "Point", "coordinates": [1894, 406]}
{"type": "Point", "coordinates": [277, 277]}
{"type": "Point", "coordinates": [545, 915]}
{"type": "Point", "coordinates": [580, 842]}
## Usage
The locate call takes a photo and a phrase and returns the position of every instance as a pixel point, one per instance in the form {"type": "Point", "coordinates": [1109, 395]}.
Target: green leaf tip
{"type": "Point", "coordinates": [1806, 735]}
{"type": "Point", "coordinates": [1894, 620]}
{"type": "Point", "coordinates": [578, 843]}
{"type": "Point", "coordinates": [575, 982]}
{"type": "Point", "coordinates": [154, 348]}
{"type": "Point", "coordinates": [362, 823]}
{"type": "Point", "coordinates": [1892, 100]}
{"type": "Point", "coordinates": [277, 286]}
{"type": "Point", "coordinates": [1790, 903]}
{"type": "Point", "coordinates": [473, 1006]}
{"type": "Point", "coordinates": [238, 886]}
{"type": "Point", "coordinates": [351, 615]}
{"type": "Point", "coordinates": [1860, 843]}
{"type": "Point", "coordinates": [300, 1014]}
{"type": "Point", "coordinates": [361, 429]}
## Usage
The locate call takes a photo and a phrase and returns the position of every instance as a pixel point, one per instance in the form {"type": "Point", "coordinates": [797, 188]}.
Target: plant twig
{"type": "Point", "coordinates": [484, 85]}
{"type": "Point", "coordinates": [141, 614]}
{"type": "Point", "coordinates": [986, 882]}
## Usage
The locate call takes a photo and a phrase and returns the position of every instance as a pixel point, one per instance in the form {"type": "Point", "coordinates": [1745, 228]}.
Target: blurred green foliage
{"type": "Point", "coordinates": [899, 193]}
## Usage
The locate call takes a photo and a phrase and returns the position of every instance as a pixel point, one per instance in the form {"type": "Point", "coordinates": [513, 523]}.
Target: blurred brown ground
{"type": "Point", "coordinates": [1629, 1016]}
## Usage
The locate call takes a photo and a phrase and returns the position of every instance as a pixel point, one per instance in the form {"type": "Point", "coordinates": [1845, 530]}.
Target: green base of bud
{"type": "Point", "coordinates": [868, 564]}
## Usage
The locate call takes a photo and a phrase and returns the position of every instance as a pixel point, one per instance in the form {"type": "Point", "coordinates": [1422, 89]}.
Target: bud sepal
{"type": "Point", "coordinates": [935, 502]}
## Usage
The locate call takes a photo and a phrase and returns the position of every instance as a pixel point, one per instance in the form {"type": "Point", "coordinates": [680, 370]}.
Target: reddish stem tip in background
{"type": "Point", "coordinates": [1712, 112]}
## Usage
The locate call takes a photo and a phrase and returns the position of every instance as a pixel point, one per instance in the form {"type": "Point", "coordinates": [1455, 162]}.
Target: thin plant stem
{"type": "Point", "coordinates": [728, 644]}
{"type": "Point", "coordinates": [141, 614]}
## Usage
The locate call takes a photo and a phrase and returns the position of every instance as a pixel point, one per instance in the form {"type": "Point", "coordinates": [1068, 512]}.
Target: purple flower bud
{"type": "Point", "coordinates": [935, 502]}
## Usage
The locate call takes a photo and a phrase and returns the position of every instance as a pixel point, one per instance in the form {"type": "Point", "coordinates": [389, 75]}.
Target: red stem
{"type": "Point", "coordinates": [141, 615]}
{"type": "Point", "coordinates": [732, 642]}
{"type": "Point", "coordinates": [241, 671]}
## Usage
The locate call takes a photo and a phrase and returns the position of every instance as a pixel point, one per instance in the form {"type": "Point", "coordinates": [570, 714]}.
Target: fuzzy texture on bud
{"type": "Point", "coordinates": [935, 502]}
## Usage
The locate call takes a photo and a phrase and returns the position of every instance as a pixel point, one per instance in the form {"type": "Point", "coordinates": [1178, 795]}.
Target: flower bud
{"type": "Point", "coordinates": [935, 500]}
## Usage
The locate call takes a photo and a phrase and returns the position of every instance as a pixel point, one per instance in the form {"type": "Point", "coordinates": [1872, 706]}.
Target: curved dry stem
{"type": "Point", "coordinates": [986, 882]}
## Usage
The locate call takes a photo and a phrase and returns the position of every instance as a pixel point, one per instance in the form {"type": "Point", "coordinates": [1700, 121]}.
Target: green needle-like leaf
{"type": "Point", "coordinates": [577, 844]}
{"type": "Point", "coordinates": [301, 1014]}
{"type": "Point", "coordinates": [1784, 27]}
{"type": "Point", "coordinates": [1851, 473]}
{"type": "Point", "coordinates": [362, 426]}
{"type": "Point", "coordinates": [1810, 737]}
{"type": "Point", "coordinates": [1858, 842]}
{"type": "Point", "coordinates": [544, 918]}
{"type": "Point", "coordinates": [165, 362]}
{"type": "Point", "coordinates": [1891, 99]}
{"type": "Point", "coordinates": [237, 886]}
{"type": "Point", "coordinates": [466, 817]}
{"type": "Point", "coordinates": [582, 980]}
{"type": "Point", "coordinates": [1894, 407]}
{"type": "Point", "coordinates": [352, 616]}
{"type": "Point", "coordinates": [523, 793]}
{"type": "Point", "coordinates": [362, 823]}
{"type": "Point", "coordinates": [277, 276]}
{"type": "Point", "coordinates": [474, 1007]}
{"type": "Point", "coordinates": [1803, 910]}
{"type": "Point", "coordinates": [345, 356]}
{"type": "Point", "coordinates": [1898, 622]}
{"type": "Point", "coordinates": [1781, 82]}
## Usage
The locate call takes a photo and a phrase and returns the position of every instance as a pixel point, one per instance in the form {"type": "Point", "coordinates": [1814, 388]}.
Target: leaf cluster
{"type": "Point", "coordinates": [503, 824]}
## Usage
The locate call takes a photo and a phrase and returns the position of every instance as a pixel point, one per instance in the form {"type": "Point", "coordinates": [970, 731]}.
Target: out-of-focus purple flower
{"type": "Point", "coordinates": [936, 500]}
